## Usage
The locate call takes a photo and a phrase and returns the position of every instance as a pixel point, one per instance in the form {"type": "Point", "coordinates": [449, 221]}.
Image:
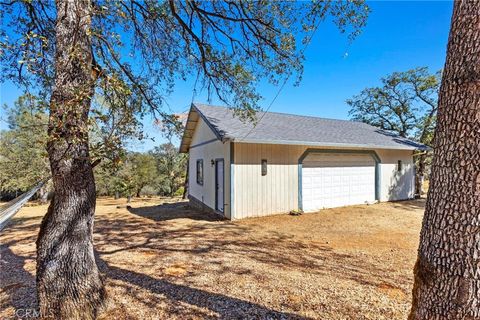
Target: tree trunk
{"type": "Point", "coordinates": [117, 195]}
{"type": "Point", "coordinates": [43, 193]}
{"type": "Point", "coordinates": [420, 175]}
{"type": "Point", "coordinates": [69, 285]}
{"type": "Point", "coordinates": [447, 272]}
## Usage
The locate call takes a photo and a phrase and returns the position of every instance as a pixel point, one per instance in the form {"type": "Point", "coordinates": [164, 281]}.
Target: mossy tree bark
{"type": "Point", "coordinates": [69, 285]}
{"type": "Point", "coordinates": [447, 272]}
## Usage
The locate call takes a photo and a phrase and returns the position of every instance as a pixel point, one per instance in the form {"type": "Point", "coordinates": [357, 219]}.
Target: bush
{"type": "Point", "coordinates": [148, 191]}
{"type": "Point", "coordinates": [179, 191]}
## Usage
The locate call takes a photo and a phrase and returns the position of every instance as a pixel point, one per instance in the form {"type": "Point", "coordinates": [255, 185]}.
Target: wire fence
{"type": "Point", "coordinates": [9, 209]}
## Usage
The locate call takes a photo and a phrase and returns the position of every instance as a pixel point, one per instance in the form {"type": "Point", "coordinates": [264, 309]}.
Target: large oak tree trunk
{"type": "Point", "coordinates": [447, 272]}
{"type": "Point", "coordinates": [69, 285]}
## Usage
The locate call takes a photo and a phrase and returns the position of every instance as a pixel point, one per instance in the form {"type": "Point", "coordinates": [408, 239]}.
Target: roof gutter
{"type": "Point", "coordinates": [326, 144]}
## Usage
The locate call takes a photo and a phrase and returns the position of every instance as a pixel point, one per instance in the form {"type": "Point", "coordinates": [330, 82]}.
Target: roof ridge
{"type": "Point", "coordinates": [288, 114]}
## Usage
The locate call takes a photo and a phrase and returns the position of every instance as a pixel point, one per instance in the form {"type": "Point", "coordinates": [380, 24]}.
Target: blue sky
{"type": "Point", "coordinates": [398, 36]}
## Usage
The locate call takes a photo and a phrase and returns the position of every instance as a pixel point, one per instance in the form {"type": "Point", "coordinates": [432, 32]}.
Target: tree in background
{"type": "Point", "coordinates": [72, 49]}
{"type": "Point", "coordinates": [23, 154]}
{"type": "Point", "coordinates": [447, 271]}
{"type": "Point", "coordinates": [160, 171]}
{"type": "Point", "coordinates": [144, 170]}
{"type": "Point", "coordinates": [171, 167]}
{"type": "Point", "coordinates": [405, 104]}
{"type": "Point", "coordinates": [23, 158]}
{"type": "Point", "coordinates": [126, 179]}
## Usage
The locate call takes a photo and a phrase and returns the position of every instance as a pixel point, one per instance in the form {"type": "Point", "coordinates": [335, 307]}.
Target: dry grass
{"type": "Point", "coordinates": [165, 261]}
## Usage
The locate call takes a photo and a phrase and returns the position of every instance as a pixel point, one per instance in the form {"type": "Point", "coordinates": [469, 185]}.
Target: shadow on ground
{"type": "Point", "coordinates": [222, 306]}
{"type": "Point", "coordinates": [17, 284]}
{"type": "Point", "coordinates": [213, 238]}
{"type": "Point", "coordinates": [174, 210]}
{"type": "Point", "coordinates": [410, 205]}
{"type": "Point", "coordinates": [215, 259]}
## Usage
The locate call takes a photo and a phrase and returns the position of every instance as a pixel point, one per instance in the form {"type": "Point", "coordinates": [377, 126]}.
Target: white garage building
{"type": "Point", "coordinates": [290, 162]}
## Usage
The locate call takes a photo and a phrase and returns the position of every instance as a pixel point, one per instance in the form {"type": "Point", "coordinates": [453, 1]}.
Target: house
{"type": "Point", "coordinates": [289, 162]}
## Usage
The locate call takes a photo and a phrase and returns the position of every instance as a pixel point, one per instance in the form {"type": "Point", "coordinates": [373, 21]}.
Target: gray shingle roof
{"type": "Point", "coordinates": [284, 128]}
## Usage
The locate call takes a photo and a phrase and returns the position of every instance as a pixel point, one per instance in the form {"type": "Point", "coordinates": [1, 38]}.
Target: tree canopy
{"type": "Point", "coordinates": [171, 167]}
{"type": "Point", "coordinates": [160, 171]}
{"type": "Point", "coordinates": [405, 104]}
{"type": "Point", "coordinates": [141, 47]}
{"type": "Point", "coordinates": [24, 160]}
{"type": "Point", "coordinates": [23, 157]}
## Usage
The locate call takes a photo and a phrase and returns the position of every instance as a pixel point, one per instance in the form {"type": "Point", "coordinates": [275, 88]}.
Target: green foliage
{"type": "Point", "coordinates": [405, 104]}
{"type": "Point", "coordinates": [180, 192]}
{"type": "Point", "coordinates": [23, 158]}
{"type": "Point", "coordinates": [121, 178]}
{"type": "Point", "coordinates": [149, 190]}
{"type": "Point", "coordinates": [228, 46]}
{"type": "Point", "coordinates": [23, 155]}
{"type": "Point", "coordinates": [171, 167]}
{"type": "Point", "coordinates": [161, 171]}
{"type": "Point", "coordinates": [145, 170]}
{"type": "Point", "coordinates": [110, 128]}
{"type": "Point", "coordinates": [140, 48]}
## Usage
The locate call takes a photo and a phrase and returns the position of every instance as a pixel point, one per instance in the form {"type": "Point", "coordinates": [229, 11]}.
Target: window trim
{"type": "Point", "coordinates": [264, 167]}
{"type": "Point", "coordinates": [198, 177]}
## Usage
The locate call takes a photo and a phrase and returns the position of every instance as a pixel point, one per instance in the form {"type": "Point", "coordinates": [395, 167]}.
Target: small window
{"type": "Point", "coordinates": [399, 165]}
{"type": "Point", "coordinates": [264, 167]}
{"type": "Point", "coordinates": [200, 172]}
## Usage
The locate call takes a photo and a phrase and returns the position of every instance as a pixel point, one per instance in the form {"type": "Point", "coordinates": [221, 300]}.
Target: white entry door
{"type": "Point", "coordinates": [219, 185]}
{"type": "Point", "coordinates": [335, 180]}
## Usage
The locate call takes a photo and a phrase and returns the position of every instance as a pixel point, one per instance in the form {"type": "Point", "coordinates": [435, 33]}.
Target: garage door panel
{"type": "Point", "coordinates": [333, 180]}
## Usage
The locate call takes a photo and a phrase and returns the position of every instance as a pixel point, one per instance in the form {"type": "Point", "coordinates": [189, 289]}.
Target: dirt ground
{"type": "Point", "coordinates": [165, 261]}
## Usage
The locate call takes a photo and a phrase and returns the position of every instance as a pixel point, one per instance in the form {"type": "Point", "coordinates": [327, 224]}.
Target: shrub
{"type": "Point", "coordinates": [179, 191]}
{"type": "Point", "coordinates": [149, 191]}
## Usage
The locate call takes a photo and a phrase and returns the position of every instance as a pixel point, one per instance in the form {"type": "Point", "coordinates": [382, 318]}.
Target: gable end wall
{"type": "Point", "coordinates": [206, 146]}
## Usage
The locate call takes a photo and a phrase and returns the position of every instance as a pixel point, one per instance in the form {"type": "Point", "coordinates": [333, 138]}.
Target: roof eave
{"type": "Point", "coordinates": [188, 131]}
{"type": "Point", "coordinates": [326, 144]}
{"type": "Point", "coordinates": [186, 137]}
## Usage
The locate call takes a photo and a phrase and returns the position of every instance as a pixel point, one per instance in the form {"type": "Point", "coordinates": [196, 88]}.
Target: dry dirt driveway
{"type": "Point", "coordinates": [165, 261]}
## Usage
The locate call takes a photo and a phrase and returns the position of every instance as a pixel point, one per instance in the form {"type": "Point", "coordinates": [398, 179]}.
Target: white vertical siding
{"type": "Point", "coordinates": [396, 185]}
{"type": "Point", "coordinates": [208, 152]}
{"type": "Point", "coordinates": [277, 192]}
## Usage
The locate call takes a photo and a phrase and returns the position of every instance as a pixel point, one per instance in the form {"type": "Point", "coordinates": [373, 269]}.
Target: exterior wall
{"type": "Point", "coordinates": [209, 151]}
{"type": "Point", "coordinates": [277, 192]}
{"type": "Point", "coordinates": [396, 185]}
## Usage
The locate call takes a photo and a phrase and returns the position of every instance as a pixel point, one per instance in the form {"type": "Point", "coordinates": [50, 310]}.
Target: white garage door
{"type": "Point", "coordinates": [335, 180]}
